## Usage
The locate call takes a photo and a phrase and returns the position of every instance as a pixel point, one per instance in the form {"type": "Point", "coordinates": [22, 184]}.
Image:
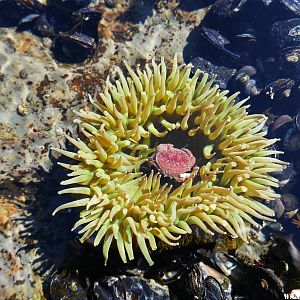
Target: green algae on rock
{"type": "Point", "coordinates": [122, 204]}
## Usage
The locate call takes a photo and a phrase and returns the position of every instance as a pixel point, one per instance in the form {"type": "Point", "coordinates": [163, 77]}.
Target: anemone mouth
{"type": "Point", "coordinates": [133, 117]}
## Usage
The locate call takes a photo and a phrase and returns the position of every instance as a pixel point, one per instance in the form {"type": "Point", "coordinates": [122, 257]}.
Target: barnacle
{"type": "Point", "coordinates": [123, 205]}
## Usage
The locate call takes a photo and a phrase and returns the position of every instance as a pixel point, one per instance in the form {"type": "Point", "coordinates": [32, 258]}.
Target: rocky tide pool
{"type": "Point", "coordinates": [149, 149]}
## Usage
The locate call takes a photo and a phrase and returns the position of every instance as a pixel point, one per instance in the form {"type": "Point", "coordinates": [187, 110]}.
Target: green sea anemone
{"type": "Point", "coordinates": [124, 205]}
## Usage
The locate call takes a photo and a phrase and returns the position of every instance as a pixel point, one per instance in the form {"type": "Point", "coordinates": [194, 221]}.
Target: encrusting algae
{"type": "Point", "coordinates": [122, 204]}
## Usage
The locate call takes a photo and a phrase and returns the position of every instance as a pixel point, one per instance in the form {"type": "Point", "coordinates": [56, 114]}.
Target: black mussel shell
{"type": "Point", "coordinates": [286, 33]}
{"type": "Point", "coordinates": [284, 257]}
{"type": "Point", "coordinates": [214, 37]}
{"type": "Point", "coordinates": [73, 48]}
{"type": "Point", "coordinates": [14, 12]}
{"type": "Point", "coordinates": [246, 71]}
{"type": "Point", "coordinates": [291, 140]}
{"type": "Point", "coordinates": [292, 5]}
{"type": "Point", "coordinates": [245, 81]}
{"type": "Point", "coordinates": [250, 281]}
{"type": "Point", "coordinates": [171, 273]}
{"type": "Point", "coordinates": [222, 73]}
{"type": "Point", "coordinates": [87, 20]}
{"type": "Point", "coordinates": [286, 178]}
{"type": "Point", "coordinates": [250, 88]}
{"type": "Point", "coordinates": [280, 121]}
{"type": "Point", "coordinates": [297, 121]}
{"type": "Point", "coordinates": [129, 287]}
{"type": "Point", "coordinates": [246, 44]}
{"type": "Point", "coordinates": [280, 126]}
{"type": "Point", "coordinates": [277, 206]}
{"type": "Point", "coordinates": [219, 41]}
{"type": "Point", "coordinates": [279, 89]}
{"type": "Point", "coordinates": [290, 202]}
{"type": "Point", "coordinates": [190, 285]}
{"type": "Point", "coordinates": [289, 62]}
{"type": "Point", "coordinates": [68, 5]}
{"type": "Point", "coordinates": [213, 290]}
{"type": "Point", "coordinates": [171, 268]}
{"type": "Point", "coordinates": [227, 8]}
{"type": "Point", "coordinates": [44, 26]}
{"type": "Point", "coordinates": [244, 40]}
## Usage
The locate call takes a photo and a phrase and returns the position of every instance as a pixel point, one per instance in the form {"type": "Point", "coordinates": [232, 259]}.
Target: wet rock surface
{"type": "Point", "coordinates": [52, 57]}
{"type": "Point", "coordinates": [38, 93]}
{"type": "Point", "coordinates": [18, 277]}
{"type": "Point", "coordinates": [34, 96]}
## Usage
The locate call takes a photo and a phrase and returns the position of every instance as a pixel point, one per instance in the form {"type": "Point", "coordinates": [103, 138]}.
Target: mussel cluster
{"type": "Point", "coordinates": [259, 38]}
{"type": "Point", "coordinates": [254, 48]}
{"type": "Point", "coordinates": [186, 273]}
{"type": "Point", "coordinates": [72, 25]}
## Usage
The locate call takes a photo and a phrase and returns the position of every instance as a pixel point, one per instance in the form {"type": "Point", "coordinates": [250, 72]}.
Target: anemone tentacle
{"type": "Point", "coordinates": [122, 204]}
